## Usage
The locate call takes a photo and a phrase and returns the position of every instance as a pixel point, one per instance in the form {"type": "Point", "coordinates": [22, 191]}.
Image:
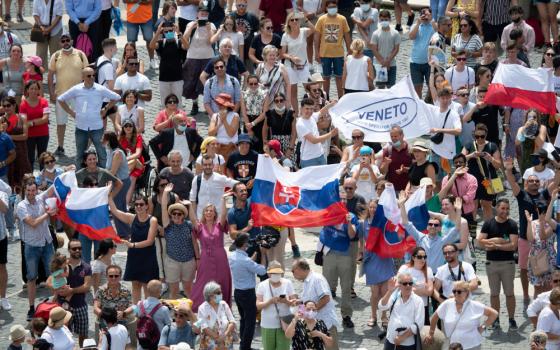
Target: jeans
{"type": "Point", "coordinates": [314, 161]}
{"type": "Point", "coordinates": [39, 144]}
{"type": "Point", "coordinates": [35, 254]}
{"type": "Point", "coordinates": [132, 30]}
{"type": "Point", "coordinates": [246, 301]}
{"type": "Point", "coordinates": [86, 247]}
{"type": "Point", "coordinates": [123, 230]}
{"type": "Point", "coordinates": [438, 8]}
{"type": "Point", "coordinates": [82, 138]}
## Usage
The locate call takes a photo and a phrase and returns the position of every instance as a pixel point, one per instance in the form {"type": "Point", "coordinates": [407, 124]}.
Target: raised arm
{"type": "Point", "coordinates": [508, 165]}
{"type": "Point", "coordinates": [553, 224]}
{"type": "Point", "coordinates": [164, 203]}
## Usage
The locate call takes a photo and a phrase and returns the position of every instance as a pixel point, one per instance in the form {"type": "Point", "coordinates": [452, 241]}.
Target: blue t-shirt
{"type": "Point", "coordinates": [240, 217]}
{"type": "Point", "coordinates": [176, 335]}
{"type": "Point", "coordinates": [179, 241]}
{"type": "Point", "coordinates": [6, 145]}
{"type": "Point", "coordinates": [336, 237]}
{"type": "Point", "coordinates": [419, 52]}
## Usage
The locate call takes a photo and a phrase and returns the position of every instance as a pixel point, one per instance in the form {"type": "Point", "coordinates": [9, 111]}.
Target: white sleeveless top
{"type": "Point", "coordinates": [356, 73]}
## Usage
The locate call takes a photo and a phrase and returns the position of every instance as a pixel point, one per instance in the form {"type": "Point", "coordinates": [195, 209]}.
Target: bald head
{"type": "Point", "coordinates": [88, 76]}
{"type": "Point", "coordinates": [154, 289]}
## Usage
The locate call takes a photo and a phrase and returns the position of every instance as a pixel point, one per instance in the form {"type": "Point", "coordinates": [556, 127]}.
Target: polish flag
{"type": "Point", "coordinates": [520, 87]}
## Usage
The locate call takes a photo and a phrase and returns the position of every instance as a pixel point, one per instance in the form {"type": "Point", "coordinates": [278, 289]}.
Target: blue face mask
{"type": "Point", "coordinates": [169, 35]}
{"type": "Point", "coordinates": [535, 160]}
{"type": "Point", "coordinates": [218, 298]}
{"type": "Point", "coordinates": [332, 11]}
{"type": "Point", "coordinates": [182, 127]}
{"type": "Point", "coordinates": [397, 144]}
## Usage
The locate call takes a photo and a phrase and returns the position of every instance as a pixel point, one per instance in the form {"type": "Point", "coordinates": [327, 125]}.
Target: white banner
{"type": "Point", "coordinates": [375, 112]}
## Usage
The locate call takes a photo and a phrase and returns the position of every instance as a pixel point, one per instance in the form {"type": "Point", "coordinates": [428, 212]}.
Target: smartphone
{"type": "Point", "coordinates": [301, 308]}
{"type": "Point", "coordinates": [202, 22]}
{"type": "Point", "coordinates": [282, 296]}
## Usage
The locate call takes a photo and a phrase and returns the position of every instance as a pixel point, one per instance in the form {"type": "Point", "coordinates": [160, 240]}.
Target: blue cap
{"type": "Point", "coordinates": [243, 138]}
{"type": "Point", "coordinates": [366, 151]}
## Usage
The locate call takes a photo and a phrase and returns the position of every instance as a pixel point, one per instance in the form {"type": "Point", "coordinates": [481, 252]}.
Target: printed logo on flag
{"type": "Point", "coordinates": [380, 116]}
{"type": "Point", "coordinates": [286, 198]}
{"type": "Point", "coordinates": [394, 234]}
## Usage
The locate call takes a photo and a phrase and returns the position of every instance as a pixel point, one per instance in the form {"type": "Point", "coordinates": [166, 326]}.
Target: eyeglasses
{"type": "Point", "coordinates": [549, 54]}
{"type": "Point", "coordinates": [294, 20]}
{"type": "Point", "coordinates": [349, 188]}
{"type": "Point", "coordinates": [433, 224]}
{"type": "Point", "coordinates": [240, 5]}
{"type": "Point", "coordinates": [7, 105]}
{"type": "Point", "coordinates": [65, 40]}
{"type": "Point", "coordinates": [49, 161]}
{"type": "Point", "coordinates": [555, 281]}
{"type": "Point", "coordinates": [139, 204]}
{"type": "Point", "coordinates": [253, 84]}
{"type": "Point", "coordinates": [479, 136]}
{"type": "Point", "coordinates": [406, 284]}
{"type": "Point", "coordinates": [268, 28]}
{"type": "Point", "coordinates": [357, 137]}
{"type": "Point", "coordinates": [534, 181]}
{"type": "Point", "coordinates": [177, 213]}
{"type": "Point", "coordinates": [449, 253]}
{"type": "Point", "coordinates": [128, 126]}
{"type": "Point", "coordinates": [421, 257]}
{"type": "Point", "coordinates": [93, 184]}
{"type": "Point", "coordinates": [280, 100]}
{"type": "Point", "coordinates": [218, 67]}
{"type": "Point", "coordinates": [461, 59]}
{"type": "Point", "coordinates": [113, 276]}
{"type": "Point", "coordinates": [75, 249]}
{"type": "Point", "coordinates": [463, 25]}
{"type": "Point", "coordinates": [132, 63]}
{"type": "Point", "coordinates": [172, 102]}
{"type": "Point", "coordinates": [463, 95]}
{"type": "Point", "coordinates": [458, 291]}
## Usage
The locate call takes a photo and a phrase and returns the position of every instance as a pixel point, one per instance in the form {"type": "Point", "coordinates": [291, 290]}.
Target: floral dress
{"type": "Point", "coordinates": [120, 301]}
{"type": "Point", "coordinates": [254, 103]}
{"type": "Point", "coordinates": [218, 321]}
{"type": "Point", "coordinates": [537, 246]}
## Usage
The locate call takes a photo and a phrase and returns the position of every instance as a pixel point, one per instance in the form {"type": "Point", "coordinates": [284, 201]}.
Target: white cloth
{"type": "Point", "coordinates": [269, 315]}
{"type": "Point", "coordinates": [418, 277]}
{"type": "Point", "coordinates": [357, 73]}
{"type": "Point", "coordinates": [538, 304]}
{"type": "Point", "coordinates": [405, 314]}
{"type": "Point", "coordinates": [459, 79]}
{"type": "Point", "coordinates": [200, 47]}
{"type": "Point", "coordinates": [42, 9]}
{"type": "Point", "coordinates": [211, 191]}
{"type": "Point", "coordinates": [210, 317]}
{"type": "Point", "coordinates": [180, 144]}
{"type": "Point", "coordinates": [447, 280]}
{"type": "Point", "coordinates": [308, 127]}
{"type": "Point", "coordinates": [446, 149]}
{"type": "Point", "coordinates": [296, 47]}
{"type": "Point", "coordinates": [119, 338]}
{"type": "Point", "coordinates": [463, 327]}
{"type": "Point", "coordinates": [315, 287]}
{"type": "Point", "coordinates": [108, 71]}
{"type": "Point", "coordinates": [61, 338]}
{"type": "Point", "coordinates": [222, 135]}
{"type": "Point", "coordinates": [549, 323]}
{"type": "Point", "coordinates": [138, 82]}
{"type": "Point", "coordinates": [187, 12]}
{"type": "Point", "coordinates": [545, 176]}
{"type": "Point", "coordinates": [129, 114]}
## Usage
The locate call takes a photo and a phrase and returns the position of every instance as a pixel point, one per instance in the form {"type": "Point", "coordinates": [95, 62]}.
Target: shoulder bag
{"type": "Point", "coordinates": [438, 137]}
{"type": "Point", "coordinates": [492, 186]}
{"type": "Point", "coordinates": [284, 320]}
{"type": "Point", "coordinates": [37, 35]}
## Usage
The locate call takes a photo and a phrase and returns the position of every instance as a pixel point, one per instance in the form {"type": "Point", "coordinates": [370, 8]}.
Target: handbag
{"type": "Point", "coordinates": [319, 257]}
{"type": "Point", "coordinates": [539, 263]}
{"type": "Point", "coordinates": [134, 164]}
{"type": "Point", "coordinates": [492, 186]}
{"type": "Point", "coordinates": [283, 324]}
{"type": "Point", "coordinates": [438, 137]}
{"type": "Point", "coordinates": [37, 35]}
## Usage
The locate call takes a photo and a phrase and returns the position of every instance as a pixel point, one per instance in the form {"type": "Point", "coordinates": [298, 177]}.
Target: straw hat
{"type": "Point", "coordinates": [177, 206]}
{"type": "Point", "coordinates": [58, 317]}
{"type": "Point", "coordinates": [275, 267]}
{"type": "Point", "coordinates": [18, 332]}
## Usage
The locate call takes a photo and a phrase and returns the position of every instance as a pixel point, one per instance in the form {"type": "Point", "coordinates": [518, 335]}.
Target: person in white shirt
{"type": "Point", "coordinates": [366, 174]}
{"type": "Point", "coordinates": [57, 332]}
{"type": "Point", "coordinates": [549, 321]}
{"type": "Point", "coordinates": [451, 272]}
{"type": "Point", "coordinates": [114, 336]}
{"type": "Point", "coordinates": [311, 151]}
{"type": "Point", "coordinates": [88, 112]}
{"type": "Point", "coordinates": [134, 80]}
{"type": "Point", "coordinates": [540, 169]}
{"type": "Point", "coordinates": [542, 300]}
{"type": "Point", "coordinates": [461, 318]}
{"type": "Point", "coordinates": [423, 277]}
{"type": "Point", "coordinates": [107, 72]}
{"type": "Point", "coordinates": [406, 311]}
{"type": "Point", "coordinates": [366, 19]}
{"type": "Point", "coordinates": [208, 187]}
{"type": "Point", "coordinates": [51, 24]}
{"type": "Point", "coordinates": [460, 75]}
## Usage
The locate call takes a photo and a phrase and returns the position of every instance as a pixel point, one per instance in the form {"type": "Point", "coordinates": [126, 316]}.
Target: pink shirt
{"type": "Point", "coordinates": [464, 187]}
{"type": "Point", "coordinates": [161, 117]}
{"type": "Point", "coordinates": [528, 35]}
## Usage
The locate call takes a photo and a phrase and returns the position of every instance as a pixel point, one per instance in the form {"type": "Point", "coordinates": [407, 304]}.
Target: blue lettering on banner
{"type": "Point", "coordinates": [380, 116]}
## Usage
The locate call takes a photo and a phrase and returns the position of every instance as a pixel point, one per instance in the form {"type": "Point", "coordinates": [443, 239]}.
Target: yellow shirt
{"type": "Point", "coordinates": [68, 69]}
{"type": "Point", "coordinates": [332, 30]}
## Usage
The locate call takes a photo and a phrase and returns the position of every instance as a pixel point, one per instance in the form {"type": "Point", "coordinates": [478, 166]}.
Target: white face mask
{"type": "Point", "coordinates": [365, 7]}
{"type": "Point", "coordinates": [332, 11]}
{"type": "Point", "coordinates": [275, 277]}
{"type": "Point", "coordinates": [50, 170]}
{"type": "Point", "coordinates": [384, 24]}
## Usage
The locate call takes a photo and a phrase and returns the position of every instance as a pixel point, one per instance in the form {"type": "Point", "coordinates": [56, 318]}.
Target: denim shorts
{"type": "Point", "coordinates": [313, 161]}
{"type": "Point", "coordinates": [132, 30]}
{"type": "Point", "coordinates": [420, 73]}
{"type": "Point", "coordinates": [35, 254]}
{"type": "Point", "coordinates": [332, 66]}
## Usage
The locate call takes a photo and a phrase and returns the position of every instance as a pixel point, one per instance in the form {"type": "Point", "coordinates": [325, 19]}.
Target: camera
{"type": "Point", "coordinates": [268, 238]}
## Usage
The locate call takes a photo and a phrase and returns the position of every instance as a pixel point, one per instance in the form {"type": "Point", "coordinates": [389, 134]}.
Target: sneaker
{"type": "Point", "coordinates": [164, 288]}
{"type": "Point", "coordinates": [20, 18]}
{"type": "Point", "coordinates": [5, 304]}
{"type": "Point", "coordinates": [59, 151]}
{"type": "Point", "coordinates": [512, 325]}
{"type": "Point", "coordinates": [30, 313]}
{"type": "Point", "coordinates": [7, 17]}
{"type": "Point", "coordinates": [495, 324]}
{"type": "Point", "coordinates": [194, 109]}
{"type": "Point", "coordinates": [333, 293]}
{"type": "Point", "coordinates": [410, 20]}
{"type": "Point", "coordinates": [295, 251]}
{"type": "Point", "coordinates": [154, 64]}
{"type": "Point", "coordinates": [347, 322]}
{"type": "Point", "coordinates": [398, 28]}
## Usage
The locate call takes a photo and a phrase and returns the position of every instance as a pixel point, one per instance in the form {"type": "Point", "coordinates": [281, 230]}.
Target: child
{"type": "Point", "coordinates": [115, 336]}
{"type": "Point", "coordinates": [37, 325]}
{"type": "Point", "coordinates": [366, 174]}
{"type": "Point", "coordinates": [358, 74]}
{"type": "Point", "coordinates": [33, 69]}
{"type": "Point", "coordinates": [59, 268]}
{"type": "Point", "coordinates": [17, 337]}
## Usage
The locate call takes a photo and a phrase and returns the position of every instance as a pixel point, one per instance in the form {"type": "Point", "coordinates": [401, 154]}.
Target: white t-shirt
{"type": "Point", "coordinates": [463, 327]}
{"type": "Point", "coordinates": [549, 323]}
{"type": "Point", "coordinates": [200, 47]}
{"type": "Point", "coordinates": [180, 144]}
{"type": "Point", "coordinates": [236, 38]}
{"type": "Point", "coordinates": [446, 149]}
{"type": "Point", "coordinates": [418, 277]}
{"type": "Point", "coordinates": [61, 338]}
{"type": "Point", "coordinates": [129, 114]}
{"type": "Point", "coordinates": [222, 135]}
{"type": "Point", "coordinates": [373, 13]}
{"type": "Point", "coordinates": [187, 12]}
{"type": "Point", "coordinates": [447, 280]}
{"type": "Point", "coordinates": [305, 127]}
{"type": "Point", "coordinates": [296, 47]}
{"type": "Point", "coordinates": [458, 79]}
{"type": "Point", "coordinates": [138, 82]}
{"type": "Point", "coordinates": [365, 185]}
{"type": "Point", "coordinates": [107, 71]}
{"type": "Point", "coordinates": [545, 176]}
{"type": "Point", "coordinates": [119, 338]}
{"type": "Point", "coordinates": [269, 316]}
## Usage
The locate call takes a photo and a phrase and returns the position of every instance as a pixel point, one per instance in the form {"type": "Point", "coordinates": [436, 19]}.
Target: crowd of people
{"type": "Point", "coordinates": [260, 72]}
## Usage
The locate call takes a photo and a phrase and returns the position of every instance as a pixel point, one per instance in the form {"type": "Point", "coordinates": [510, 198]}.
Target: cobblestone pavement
{"type": "Point", "coordinates": [359, 337]}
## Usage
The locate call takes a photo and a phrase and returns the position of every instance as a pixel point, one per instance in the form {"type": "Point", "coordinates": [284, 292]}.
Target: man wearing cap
{"type": "Point", "coordinates": [88, 113]}
{"type": "Point", "coordinates": [134, 80]}
{"type": "Point", "coordinates": [540, 169]}
{"type": "Point", "coordinates": [179, 175]}
{"type": "Point", "coordinates": [181, 138]}
{"type": "Point", "coordinates": [314, 91]}
{"type": "Point", "coordinates": [396, 159]}
{"type": "Point", "coordinates": [220, 83]}
{"type": "Point", "coordinates": [57, 332]}
{"type": "Point", "coordinates": [242, 164]}
{"type": "Point", "coordinates": [244, 271]}
{"type": "Point", "coordinates": [65, 66]}
{"type": "Point", "coordinates": [182, 330]}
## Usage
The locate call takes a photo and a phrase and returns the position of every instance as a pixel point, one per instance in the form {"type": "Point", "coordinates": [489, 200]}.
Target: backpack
{"type": "Point", "coordinates": [147, 331]}
{"type": "Point", "coordinates": [84, 44]}
{"type": "Point", "coordinates": [44, 309]}
{"type": "Point", "coordinates": [96, 69]}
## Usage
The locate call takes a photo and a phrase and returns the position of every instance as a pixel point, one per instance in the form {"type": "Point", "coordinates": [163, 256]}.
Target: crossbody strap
{"type": "Point", "coordinates": [446, 116]}
{"type": "Point", "coordinates": [51, 11]}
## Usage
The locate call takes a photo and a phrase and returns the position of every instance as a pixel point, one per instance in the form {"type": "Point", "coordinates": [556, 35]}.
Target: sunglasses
{"type": "Point", "coordinates": [279, 100]}
{"type": "Point", "coordinates": [461, 59]}
{"type": "Point", "coordinates": [357, 137]}
{"type": "Point", "coordinates": [268, 28]}
{"type": "Point", "coordinates": [406, 284]}
{"type": "Point", "coordinates": [7, 105]}
{"type": "Point", "coordinates": [556, 281]}
{"type": "Point", "coordinates": [65, 40]}
{"type": "Point", "coordinates": [253, 84]}
{"type": "Point", "coordinates": [177, 213]}
{"type": "Point", "coordinates": [464, 25]}
{"type": "Point", "coordinates": [132, 63]}
{"type": "Point", "coordinates": [433, 224]}
{"type": "Point", "coordinates": [75, 249]}
{"type": "Point", "coordinates": [218, 67]}
{"type": "Point", "coordinates": [315, 90]}
{"type": "Point", "coordinates": [450, 253]}
{"type": "Point", "coordinates": [172, 102]}
{"type": "Point", "coordinates": [458, 291]}
{"type": "Point", "coordinates": [89, 75]}
{"type": "Point", "coordinates": [113, 276]}
{"type": "Point", "coordinates": [479, 136]}
{"type": "Point", "coordinates": [463, 95]}
{"type": "Point", "coordinates": [139, 204]}
{"type": "Point", "coordinates": [549, 54]}
{"type": "Point", "coordinates": [48, 162]}
{"type": "Point", "coordinates": [128, 126]}
{"type": "Point", "coordinates": [240, 5]}
{"type": "Point", "coordinates": [294, 20]}
{"type": "Point", "coordinates": [162, 185]}
{"type": "Point", "coordinates": [421, 257]}
{"type": "Point", "coordinates": [349, 188]}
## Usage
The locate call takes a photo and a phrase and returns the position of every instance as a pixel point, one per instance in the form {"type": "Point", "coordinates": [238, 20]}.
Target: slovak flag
{"type": "Point", "coordinates": [417, 210]}
{"type": "Point", "coordinates": [521, 87]}
{"type": "Point", "coordinates": [306, 198]}
{"type": "Point", "coordinates": [84, 209]}
{"type": "Point", "coordinates": [387, 237]}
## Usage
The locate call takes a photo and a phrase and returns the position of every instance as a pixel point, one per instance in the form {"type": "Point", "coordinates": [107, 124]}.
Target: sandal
{"type": "Point", "coordinates": [372, 322]}
{"type": "Point", "coordinates": [353, 294]}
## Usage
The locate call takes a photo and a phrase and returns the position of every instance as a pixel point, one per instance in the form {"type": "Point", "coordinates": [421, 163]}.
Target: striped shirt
{"type": "Point", "coordinates": [472, 44]}
{"type": "Point", "coordinates": [496, 12]}
{"type": "Point", "coordinates": [40, 235]}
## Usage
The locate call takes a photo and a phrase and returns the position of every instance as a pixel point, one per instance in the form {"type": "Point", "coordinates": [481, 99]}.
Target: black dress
{"type": "Point", "coordinates": [416, 173]}
{"type": "Point", "coordinates": [302, 339]}
{"type": "Point", "coordinates": [141, 263]}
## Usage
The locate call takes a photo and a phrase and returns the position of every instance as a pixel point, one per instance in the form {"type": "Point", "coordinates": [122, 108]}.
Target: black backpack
{"type": "Point", "coordinates": [96, 69]}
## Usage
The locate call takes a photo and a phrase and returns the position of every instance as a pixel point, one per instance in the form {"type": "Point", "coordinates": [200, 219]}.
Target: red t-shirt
{"type": "Point", "coordinates": [27, 76]}
{"type": "Point", "coordinates": [276, 11]}
{"type": "Point", "coordinates": [34, 113]}
{"type": "Point", "coordinates": [398, 158]}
